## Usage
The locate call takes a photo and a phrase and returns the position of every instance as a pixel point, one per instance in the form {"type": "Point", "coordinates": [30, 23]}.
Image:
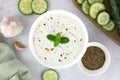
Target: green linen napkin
{"type": "Point", "coordinates": [10, 67]}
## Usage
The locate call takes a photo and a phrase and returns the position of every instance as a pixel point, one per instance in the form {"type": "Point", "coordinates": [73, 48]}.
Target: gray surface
{"type": "Point", "coordinates": [9, 8]}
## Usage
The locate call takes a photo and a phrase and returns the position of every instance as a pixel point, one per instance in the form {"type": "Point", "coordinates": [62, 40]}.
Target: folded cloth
{"type": "Point", "coordinates": [10, 67]}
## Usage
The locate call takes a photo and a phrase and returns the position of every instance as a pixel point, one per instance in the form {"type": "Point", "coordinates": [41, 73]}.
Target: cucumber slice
{"type": "Point", "coordinates": [85, 7]}
{"type": "Point", "coordinates": [24, 7]}
{"type": "Point", "coordinates": [93, 1]}
{"type": "Point", "coordinates": [39, 6]}
{"type": "Point", "coordinates": [80, 1]}
{"type": "Point", "coordinates": [50, 74]}
{"type": "Point", "coordinates": [103, 18]}
{"type": "Point", "coordinates": [95, 8]}
{"type": "Point", "coordinates": [110, 26]}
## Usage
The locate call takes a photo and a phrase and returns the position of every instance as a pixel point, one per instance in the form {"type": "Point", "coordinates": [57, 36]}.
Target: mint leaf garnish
{"type": "Point", "coordinates": [64, 40]}
{"type": "Point", "coordinates": [51, 37]}
{"type": "Point", "coordinates": [57, 39]}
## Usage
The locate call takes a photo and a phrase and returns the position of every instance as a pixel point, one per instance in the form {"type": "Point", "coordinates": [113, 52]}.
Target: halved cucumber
{"type": "Point", "coordinates": [50, 74]}
{"type": "Point", "coordinates": [85, 7]}
{"type": "Point", "coordinates": [103, 18]}
{"type": "Point", "coordinates": [39, 6]}
{"type": "Point", "coordinates": [110, 26]}
{"type": "Point", "coordinates": [93, 1]}
{"type": "Point", "coordinates": [24, 7]}
{"type": "Point", "coordinates": [80, 1]}
{"type": "Point", "coordinates": [95, 8]}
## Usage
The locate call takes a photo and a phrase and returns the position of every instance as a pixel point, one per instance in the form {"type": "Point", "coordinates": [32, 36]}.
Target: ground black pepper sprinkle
{"type": "Point", "coordinates": [65, 57]}
{"type": "Point", "coordinates": [45, 58]}
{"type": "Point", "coordinates": [39, 40]}
{"type": "Point", "coordinates": [66, 29]}
{"type": "Point", "coordinates": [44, 24]}
{"type": "Point", "coordinates": [59, 60]}
{"type": "Point", "coordinates": [51, 17]}
{"type": "Point", "coordinates": [52, 49]}
{"type": "Point", "coordinates": [81, 39]}
{"type": "Point", "coordinates": [61, 55]}
{"type": "Point", "coordinates": [94, 58]}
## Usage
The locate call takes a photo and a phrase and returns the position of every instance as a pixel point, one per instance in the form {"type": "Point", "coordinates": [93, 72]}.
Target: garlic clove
{"type": "Point", "coordinates": [19, 46]}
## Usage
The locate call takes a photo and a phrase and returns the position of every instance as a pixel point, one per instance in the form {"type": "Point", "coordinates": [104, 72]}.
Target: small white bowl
{"type": "Point", "coordinates": [103, 68]}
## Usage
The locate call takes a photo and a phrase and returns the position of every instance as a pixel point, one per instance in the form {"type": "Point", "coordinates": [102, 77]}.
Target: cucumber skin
{"type": "Point", "coordinates": [22, 12]}
{"type": "Point", "coordinates": [108, 30]}
{"type": "Point", "coordinates": [42, 12]}
{"type": "Point", "coordinates": [48, 70]}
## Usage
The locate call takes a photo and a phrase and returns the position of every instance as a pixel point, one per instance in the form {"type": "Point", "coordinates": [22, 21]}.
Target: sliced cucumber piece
{"type": "Point", "coordinates": [39, 6]}
{"type": "Point", "coordinates": [110, 26]}
{"type": "Point", "coordinates": [95, 8]}
{"type": "Point", "coordinates": [80, 1]}
{"type": "Point", "coordinates": [93, 1]}
{"type": "Point", "coordinates": [50, 74]}
{"type": "Point", "coordinates": [24, 7]}
{"type": "Point", "coordinates": [103, 18]}
{"type": "Point", "coordinates": [85, 7]}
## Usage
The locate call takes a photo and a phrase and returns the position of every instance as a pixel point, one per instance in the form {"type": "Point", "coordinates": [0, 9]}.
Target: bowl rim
{"type": "Point", "coordinates": [60, 12]}
{"type": "Point", "coordinates": [102, 69]}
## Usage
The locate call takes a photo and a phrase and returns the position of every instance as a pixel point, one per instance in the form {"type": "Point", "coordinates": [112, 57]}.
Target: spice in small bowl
{"type": "Point", "coordinates": [95, 60]}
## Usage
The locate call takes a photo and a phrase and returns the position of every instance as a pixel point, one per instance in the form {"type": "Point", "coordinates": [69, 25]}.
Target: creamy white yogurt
{"type": "Point", "coordinates": [63, 54]}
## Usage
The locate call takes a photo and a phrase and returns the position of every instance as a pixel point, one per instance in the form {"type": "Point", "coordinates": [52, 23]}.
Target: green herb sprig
{"type": "Point", "coordinates": [57, 39]}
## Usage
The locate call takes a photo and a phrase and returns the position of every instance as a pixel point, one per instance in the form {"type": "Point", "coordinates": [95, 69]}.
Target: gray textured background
{"type": "Point", "coordinates": [9, 8]}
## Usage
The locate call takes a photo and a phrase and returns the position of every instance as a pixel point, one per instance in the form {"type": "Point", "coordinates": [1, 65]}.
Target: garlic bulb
{"type": "Point", "coordinates": [10, 27]}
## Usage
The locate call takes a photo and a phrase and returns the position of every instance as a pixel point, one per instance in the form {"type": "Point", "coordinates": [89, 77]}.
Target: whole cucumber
{"type": "Point", "coordinates": [115, 11]}
{"type": "Point", "coordinates": [118, 4]}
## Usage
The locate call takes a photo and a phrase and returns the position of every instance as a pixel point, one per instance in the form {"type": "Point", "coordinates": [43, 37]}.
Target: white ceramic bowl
{"type": "Point", "coordinates": [72, 16]}
{"type": "Point", "coordinates": [103, 68]}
